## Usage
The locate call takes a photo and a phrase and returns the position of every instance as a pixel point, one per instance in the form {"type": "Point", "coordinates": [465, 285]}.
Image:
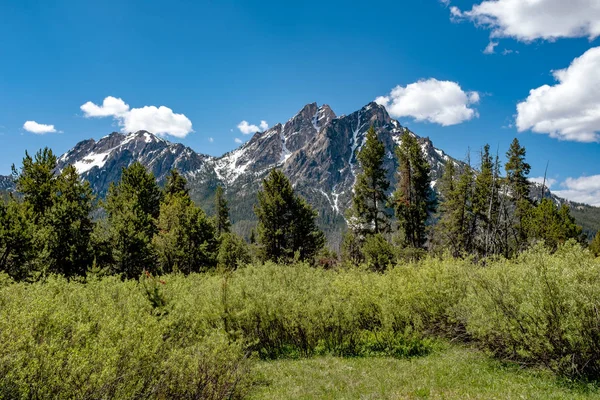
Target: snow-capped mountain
{"type": "Point", "coordinates": [6, 183]}
{"type": "Point", "coordinates": [101, 162]}
{"type": "Point", "coordinates": [315, 148]}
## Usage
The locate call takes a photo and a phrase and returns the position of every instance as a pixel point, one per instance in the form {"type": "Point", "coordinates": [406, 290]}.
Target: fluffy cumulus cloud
{"type": "Point", "coordinates": [585, 189]}
{"type": "Point", "coordinates": [38, 129]}
{"type": "Point", "coordinates": [159, 120]}
{"type": "Point", "coordinates": [246, 128]}
{"type": "Point", "coordinates": [528, 20]}
{"type": "Point", "coordinates": [540, 180]}
{"type": "Point", "coordinates": [570, 109]}
{"type": "Point", "coordinates": [440, 102]}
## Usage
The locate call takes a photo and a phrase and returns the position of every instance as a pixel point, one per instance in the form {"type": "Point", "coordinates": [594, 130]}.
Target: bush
{"type": "Point", "coordinates": [378, 252]}
{"type": "Point", "coordinates": [540, 309]}
{"type": "Point", "coordinates": [70, 340]}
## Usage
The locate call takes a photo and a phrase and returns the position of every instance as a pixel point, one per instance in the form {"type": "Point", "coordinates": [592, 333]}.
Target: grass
{"type": "Point", "coordinates": [452, 373]}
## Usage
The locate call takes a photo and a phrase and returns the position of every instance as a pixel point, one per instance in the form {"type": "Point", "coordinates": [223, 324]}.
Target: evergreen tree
{"type": "Point", "coordinates": [65, 235]}
{"type": "Point", "coordinates": [351, 248]}
{"type": "Point", "coordinates": [455, 227]}
{"type": "Point", "coordinates": [133, 206]}
{"type": "Point", "coordinates": [286, 223]}
{"type": "Point", "coordinates": [486, 203]}
{"type": "Point", "coordinates": [61, 207]}
{"type": "Point", "coordinates": [16, 238]}
{"type": "Point", "coordinates": [369, 214]}
{"type": "Point", "coordinates": [186, 238]}
{"type": "Point", "coordinates": [551, 224]}
{"type": "Point", "coordinates": [595, 245]}
{"type": "Point", "coordinates": [413, 199]}
{"type": "Point", "coordinates": [518, 186]}
{"type": "Point", "coordinates": [223, 224]}
{"type": "Point", "coordinates": [176, 184]}
{"type": "Point", "coordinates": [233, 251]}
{"type": "Point", "coordinates": [37, 180]}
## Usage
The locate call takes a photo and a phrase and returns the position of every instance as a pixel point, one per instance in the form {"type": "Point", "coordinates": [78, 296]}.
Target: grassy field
{"type": "Point", "coordinates": [453, 373]}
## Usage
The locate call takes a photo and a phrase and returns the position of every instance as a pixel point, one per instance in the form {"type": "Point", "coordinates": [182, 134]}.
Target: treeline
{"type": "Point", "coordinates": [49, 227]}
{"type": "Point", "coordinates": [478, 212]}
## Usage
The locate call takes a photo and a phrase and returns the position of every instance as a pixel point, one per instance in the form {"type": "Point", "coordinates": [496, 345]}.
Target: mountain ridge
{"type": "Point", "coordinates": [315, 148]}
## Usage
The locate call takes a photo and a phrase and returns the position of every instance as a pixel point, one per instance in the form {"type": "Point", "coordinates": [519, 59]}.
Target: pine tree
{"type": "Point", "coordinates": [132, 206]}
{"type": "Point", "coordinates": [223, 224]}
{"type": "Point", "coordinates": [286, 223]}
{"type": "Point", "coordinates": [551, 224]}
{"type": "Point", "coordinates": [455, 228]}
{"type": "Point", "coordinates": [518, 186]}
{"type": "Point", "coordinates": [16, 238]}
{"type": "Point", "coordinates": [176, 184]}
{"type": "Point", "coordinates": [61, 207]}
{"type": "Point", "coordinates": [486, 203]}
{"type": "Point", "coordinates": [186, 239]}
{"type": "Point", "coordinates": [595, 245]}
{"type": "Point", "coordinates": [36, 180]}
{"type": "Point", "coordinates": [67, 227]}
{"type": "Point", "coordinates": [413, 199]}
{"type": "Point", "coordinates": [369, 214]}
{"type": "Point", "coordinates": [233, 251]}
{"type": "Point", "coordinates": [351, 248]}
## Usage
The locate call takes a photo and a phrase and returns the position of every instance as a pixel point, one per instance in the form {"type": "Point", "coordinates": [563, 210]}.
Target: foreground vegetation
{"type": "Point", "coordinates": [455, 373]}
{"type": "Point", "coordinates": [201, 335]}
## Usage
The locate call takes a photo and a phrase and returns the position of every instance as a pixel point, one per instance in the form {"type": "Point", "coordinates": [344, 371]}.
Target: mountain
{"type": "Point", "coordinates": [315, 148]}
{"type": "Point", "coordinates": [101, 162]}
{"type": "Point", "coordinates": [6, 183]}
{"type": "Point", "coordinates": [317, 151]}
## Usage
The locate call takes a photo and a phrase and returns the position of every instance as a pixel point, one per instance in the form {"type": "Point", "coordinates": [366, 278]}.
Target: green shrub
{"type": "Point", "coordinates": [540, 309]}
{"type": "Point", "coordinates": [101, 339]}
{"type": "Point", "coordinates": [378, 252]}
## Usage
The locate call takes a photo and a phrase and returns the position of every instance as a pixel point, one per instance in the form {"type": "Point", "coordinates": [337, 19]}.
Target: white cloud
{"type": "Point", "coordinates": [159, 120]}
{"type": "Point", "coordinates": [211, 140]}
{"type": "Point", "coordinates": [38, 129]}
{"type": "Point", "coordinates": [585, 189]}
{"type": "Point", "coordinates": [238, 140]}
{"type": "Point", "coordinates": [247, 128]}
{"type": "Point", "coordinates": [111, 107]}
{"type": "Point", "coordinates": [569, 110]}
{"type": "Point", "coordinates": [440, 102]}
{"type": "Point", "coordinates": [540, 180]}
{"type": "Point", "coordinates": [489, 49]}
{"type": "Point", "coordinates": [528, 20]}
{"type": "Point", "coordinates": [445, 2]}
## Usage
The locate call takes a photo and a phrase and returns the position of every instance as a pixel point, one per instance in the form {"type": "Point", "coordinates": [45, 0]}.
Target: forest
{"type": "Point", "coordinates": [143, 295]}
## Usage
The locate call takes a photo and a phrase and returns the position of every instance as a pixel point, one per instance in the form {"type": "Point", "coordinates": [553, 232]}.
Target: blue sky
{"type": "Point", "coordinates": [214, 64]}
